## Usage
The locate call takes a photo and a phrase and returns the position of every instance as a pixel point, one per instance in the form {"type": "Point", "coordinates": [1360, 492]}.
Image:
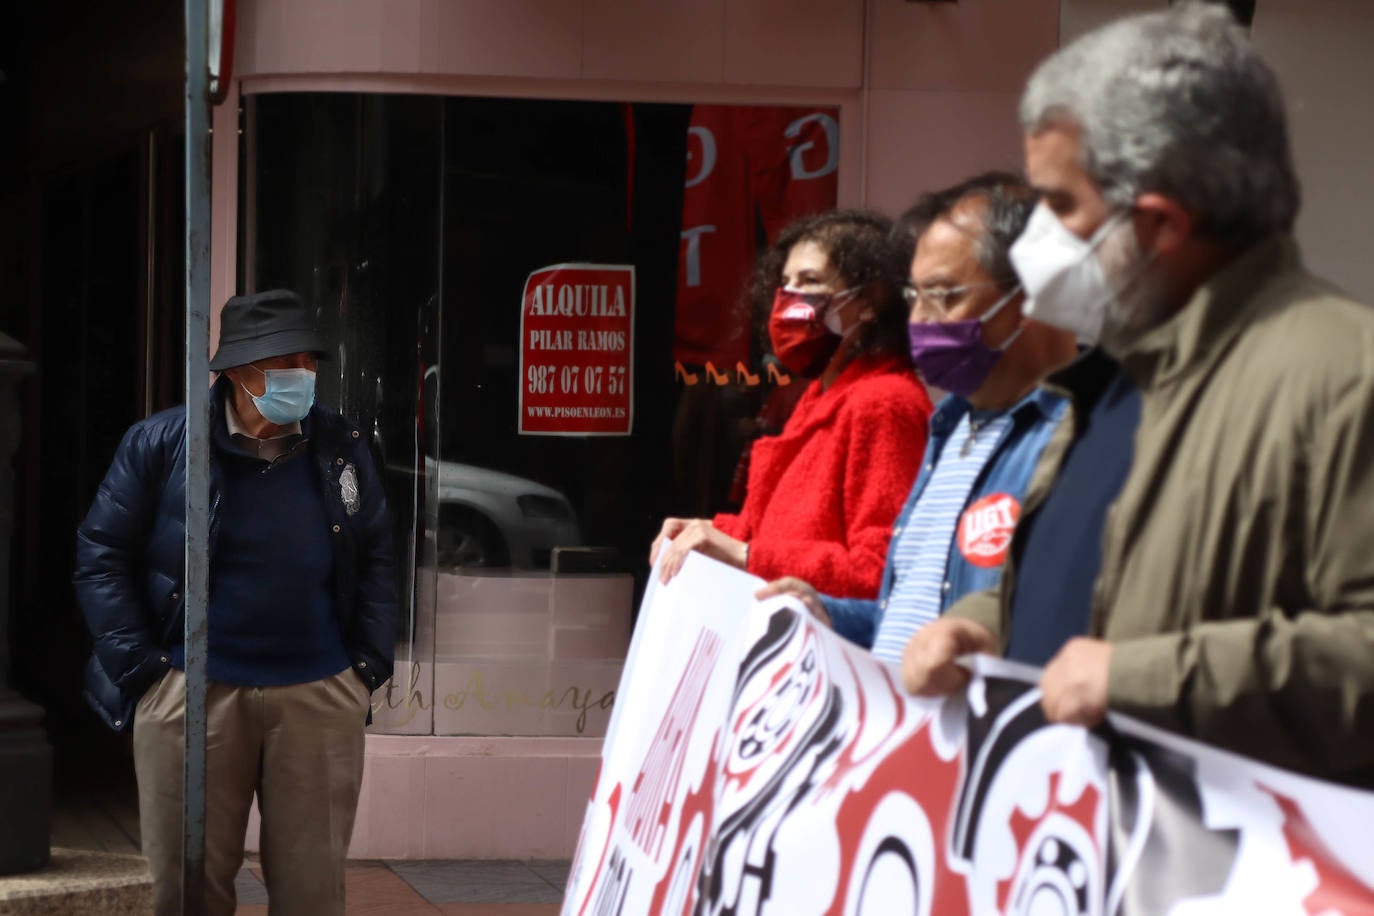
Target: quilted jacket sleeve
{"type": "Point", "coordinates": [884, 440]}
{"type": "Point", "coordinates": [109, 548]}
{"type": "Point", "coordinates": [374, 636]}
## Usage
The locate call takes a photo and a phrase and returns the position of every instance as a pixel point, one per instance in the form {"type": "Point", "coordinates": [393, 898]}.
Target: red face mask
{"type": "Point", "coordinates": [801, 341]}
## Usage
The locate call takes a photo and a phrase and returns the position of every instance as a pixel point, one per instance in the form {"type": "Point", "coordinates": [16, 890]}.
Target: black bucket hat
{"type": "Point", "coordinates": [270, 323]}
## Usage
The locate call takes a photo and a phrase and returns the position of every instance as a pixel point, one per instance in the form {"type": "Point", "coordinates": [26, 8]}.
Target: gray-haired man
{"type": "Point", "coordinates": [1211, 569]}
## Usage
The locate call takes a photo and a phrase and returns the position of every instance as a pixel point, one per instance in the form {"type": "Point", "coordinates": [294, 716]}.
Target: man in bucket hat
{"type": "Point", "coordinates": [302, 614]}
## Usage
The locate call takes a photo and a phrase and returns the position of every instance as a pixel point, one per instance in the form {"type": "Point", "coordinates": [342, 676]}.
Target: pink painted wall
{"type": "Point", "coordinates": [927, 91]}
{"type": "Point", "coordinates": [469, 798]}
{"type": "Point", "coordinates": [764, 42]}
{"type": "Point", "coordinates": [1320, 51]}
{"type": "Point", "coordinates": [945, 80]}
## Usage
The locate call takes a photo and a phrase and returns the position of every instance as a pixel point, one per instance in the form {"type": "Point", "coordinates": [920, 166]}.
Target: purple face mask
{"type": "Point", "coordinates": [951, 354]}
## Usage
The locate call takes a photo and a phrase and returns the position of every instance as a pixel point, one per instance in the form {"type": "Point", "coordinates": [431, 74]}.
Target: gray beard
{"type": "Point", "coordinates": [1132, 313]}
{"type": "Point", "coordinates": [1138, 303]}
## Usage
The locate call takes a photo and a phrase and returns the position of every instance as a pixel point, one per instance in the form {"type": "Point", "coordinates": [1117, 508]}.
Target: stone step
{"type": "Point", "coordinates": [79, 881]}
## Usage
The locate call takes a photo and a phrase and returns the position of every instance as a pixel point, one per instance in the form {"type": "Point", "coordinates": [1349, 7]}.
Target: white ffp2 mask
{"type": "Point", "coordinates": [1064, 281]}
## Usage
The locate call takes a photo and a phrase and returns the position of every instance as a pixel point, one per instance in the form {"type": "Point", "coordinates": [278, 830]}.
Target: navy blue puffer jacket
{"type": "Point", "coordinates": [130, 554]}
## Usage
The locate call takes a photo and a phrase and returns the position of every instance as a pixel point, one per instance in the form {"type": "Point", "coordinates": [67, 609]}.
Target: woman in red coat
{"type": "Point", "coordinates": [822, 495]}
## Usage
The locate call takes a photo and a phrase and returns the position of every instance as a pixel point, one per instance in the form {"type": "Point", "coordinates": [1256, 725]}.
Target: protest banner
{"type": "Point", "coordinates": [757, 763]}
{"type": "Point", "coordinates": [577, 351]}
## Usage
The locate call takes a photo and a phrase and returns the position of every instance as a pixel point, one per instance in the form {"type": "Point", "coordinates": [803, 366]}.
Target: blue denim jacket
{"type": "Point", "coordinates": [1008, 470]}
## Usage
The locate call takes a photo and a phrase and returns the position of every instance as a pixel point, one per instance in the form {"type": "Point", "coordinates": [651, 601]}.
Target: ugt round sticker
{"type": "Point", "coordinates": [986, 527]}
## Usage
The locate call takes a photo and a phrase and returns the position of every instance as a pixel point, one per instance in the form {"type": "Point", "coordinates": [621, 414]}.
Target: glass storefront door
{"type": "Point", "coordinates": [540, 313]}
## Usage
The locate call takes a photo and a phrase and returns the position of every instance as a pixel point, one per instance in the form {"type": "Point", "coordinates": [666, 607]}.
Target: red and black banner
{"type": "Point", "coordinates": [757, 763]}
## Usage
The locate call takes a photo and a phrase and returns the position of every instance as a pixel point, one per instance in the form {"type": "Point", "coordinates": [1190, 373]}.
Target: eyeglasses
{"type": "Point", "coordinates": [935, 302]}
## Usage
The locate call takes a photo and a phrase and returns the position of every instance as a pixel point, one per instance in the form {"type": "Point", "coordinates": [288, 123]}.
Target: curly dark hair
{"type": "Point", "coordinates": [863, 253]}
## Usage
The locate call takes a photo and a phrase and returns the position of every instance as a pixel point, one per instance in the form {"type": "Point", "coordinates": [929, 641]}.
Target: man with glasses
{"type": "Point", "coordinates": [968, 337]}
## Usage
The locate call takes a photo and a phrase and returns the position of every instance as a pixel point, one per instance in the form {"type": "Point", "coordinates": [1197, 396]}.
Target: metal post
{"type": "Point", "coordinates": [197, 448]}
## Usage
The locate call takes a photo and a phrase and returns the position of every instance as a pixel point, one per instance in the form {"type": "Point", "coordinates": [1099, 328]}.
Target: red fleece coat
{"type": "Point", "coordinates": [823, 494]}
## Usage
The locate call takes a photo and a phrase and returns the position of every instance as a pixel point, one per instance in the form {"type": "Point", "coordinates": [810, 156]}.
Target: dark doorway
{"type": "Point", "coordinates": [107, 334]}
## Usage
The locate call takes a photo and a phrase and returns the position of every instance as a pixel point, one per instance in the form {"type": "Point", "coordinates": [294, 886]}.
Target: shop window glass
{"type": "Point", "coordinates": [535, 425]}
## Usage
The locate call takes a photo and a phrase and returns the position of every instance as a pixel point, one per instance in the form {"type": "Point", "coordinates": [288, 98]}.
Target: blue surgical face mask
{"type": "Point", "coordinates": [289, 395]}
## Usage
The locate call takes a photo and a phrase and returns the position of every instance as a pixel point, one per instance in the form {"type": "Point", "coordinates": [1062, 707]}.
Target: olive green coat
{"type": "Point", "coordinates": [1237, 577]}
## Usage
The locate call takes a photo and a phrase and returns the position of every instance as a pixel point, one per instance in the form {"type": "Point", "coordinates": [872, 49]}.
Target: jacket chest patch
{"type": "Point", "coordinates": [348, 488]}
{"type": "Point", "coordinates": [985, 529]}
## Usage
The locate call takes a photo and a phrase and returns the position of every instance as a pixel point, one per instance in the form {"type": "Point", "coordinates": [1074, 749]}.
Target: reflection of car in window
{"type": "Point", "coordinates": [487, 518]}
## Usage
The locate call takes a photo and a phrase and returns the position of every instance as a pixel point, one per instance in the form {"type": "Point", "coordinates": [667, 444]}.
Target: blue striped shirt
{"type": "Point", "coordinates": [923, 546]}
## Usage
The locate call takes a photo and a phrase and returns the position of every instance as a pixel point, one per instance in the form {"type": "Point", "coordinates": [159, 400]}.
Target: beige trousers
{"type": "Point", "coordinates": [299, 748]}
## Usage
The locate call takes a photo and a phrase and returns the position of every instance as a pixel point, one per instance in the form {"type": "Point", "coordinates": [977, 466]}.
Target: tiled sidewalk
{"type": "Point", "coordinates": [459, 888]}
